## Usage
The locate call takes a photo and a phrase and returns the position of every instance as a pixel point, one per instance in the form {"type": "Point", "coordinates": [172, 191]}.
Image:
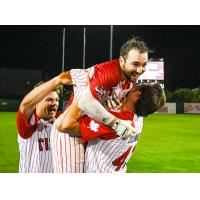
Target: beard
{"type": "Point", "coordinates": [128, 76]}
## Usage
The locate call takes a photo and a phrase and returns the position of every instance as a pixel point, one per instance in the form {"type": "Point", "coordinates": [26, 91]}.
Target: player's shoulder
{"type": "Point", "coordinates": [26, 127]}
{"type": "Point", "coordinates": [78, 73]}
{"type": "Point", "coordinates": [109, 64]}
{"type": "Point", "coordinates": [110, 71]}
{"type": "Point", "coordinates": [125, 115]}
{"type": "Point", "coordinates": [21, 118]}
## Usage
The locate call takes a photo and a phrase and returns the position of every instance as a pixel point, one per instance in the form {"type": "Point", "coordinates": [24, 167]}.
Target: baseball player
{"type": "Point", "coordinates": [68, 152]}
{"type": "Point", "coordinates": [118, 76]}
{"type": "Point", "coordinates": [106, 152]}
{"type": "Point", "coordinates": [35, 117]}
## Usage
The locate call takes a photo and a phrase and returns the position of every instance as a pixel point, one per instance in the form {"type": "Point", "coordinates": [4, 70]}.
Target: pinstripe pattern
{"type": "Point", "coordinates": [68, 152]}
{"type": "Point", "coordinates": [101, 155]}
{"type": "Point", "coordinates": [34, 159]}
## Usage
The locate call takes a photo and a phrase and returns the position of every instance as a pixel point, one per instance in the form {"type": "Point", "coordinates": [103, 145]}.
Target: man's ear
{"type": "Point", "coordinates": [121, 61]}
{"type": "Point", "coordinates": [138, 93]}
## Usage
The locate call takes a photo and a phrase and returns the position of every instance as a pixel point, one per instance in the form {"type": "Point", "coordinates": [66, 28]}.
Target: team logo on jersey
{"type": "Point", "coordinates": [101, 93]}
{"type": "Point", "coordinates": [94, 126]}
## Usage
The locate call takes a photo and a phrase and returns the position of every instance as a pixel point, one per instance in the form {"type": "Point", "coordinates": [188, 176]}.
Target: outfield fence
{"type": "Point", "coordinates": [9, 105]}
{"type": "Point", "coordinates": [12, 105]}
{"type": "Point", "coordinates": [180, 108]}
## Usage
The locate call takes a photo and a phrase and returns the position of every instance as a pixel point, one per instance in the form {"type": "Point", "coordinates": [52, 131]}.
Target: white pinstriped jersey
{"type": "Point", "coordinates": [68, 151]}
{"type": "Point", "coordinates": [109, 156]}
{"type": "Point", "coordinates": [34, 145]}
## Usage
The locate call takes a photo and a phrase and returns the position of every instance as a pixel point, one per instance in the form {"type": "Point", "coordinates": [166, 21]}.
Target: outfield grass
{"type": "Point", "coordinates": [9, 154]}
{"type": "Point", "coordinates": [168, 143]}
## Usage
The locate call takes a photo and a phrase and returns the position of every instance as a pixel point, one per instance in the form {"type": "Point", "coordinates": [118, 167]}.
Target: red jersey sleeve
{"type": "Point", "coordinates": [106, 76]}
{"type": "Point", "coordinates": [58, 114]}
{"type": "Point", "coordinates": [24, 127]}
{"type": "Point", "coordinates": [91, 128]}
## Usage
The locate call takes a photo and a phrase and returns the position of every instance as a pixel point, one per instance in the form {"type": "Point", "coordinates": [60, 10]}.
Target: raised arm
{"type": "Point", "coordinates": [30, 101]}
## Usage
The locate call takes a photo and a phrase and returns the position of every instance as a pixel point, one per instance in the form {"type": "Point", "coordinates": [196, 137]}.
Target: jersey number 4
{"type": "Point", "coordinates": [121, 161]}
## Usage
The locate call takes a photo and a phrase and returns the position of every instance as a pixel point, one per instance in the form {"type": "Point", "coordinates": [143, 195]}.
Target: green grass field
{"type": "Point", "coordinates": [9, 154]}
{"type": "Point", "coordinates": [169, 143]}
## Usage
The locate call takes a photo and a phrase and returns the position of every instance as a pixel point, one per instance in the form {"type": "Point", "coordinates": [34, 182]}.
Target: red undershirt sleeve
{"type": "Point", "coordinates": [24, 127]}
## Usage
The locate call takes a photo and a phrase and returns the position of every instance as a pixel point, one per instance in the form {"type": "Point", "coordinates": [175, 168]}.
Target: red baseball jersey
{"type": "Point", "coordinates": [91, 128]}
{"type": "Point", "coordinates": [105, 79]}
{"type": "Point", "coordinates": [108, 153]}
{"type": "Point", "coordinates": [34, 145]}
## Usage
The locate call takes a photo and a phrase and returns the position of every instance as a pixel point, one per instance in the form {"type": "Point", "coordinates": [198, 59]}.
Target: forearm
{"type": "Point", "coordinates": [30, 101]}
{"type": "Point", "coordinates": [88, 104]}
{"type": "Point", "coordinates": [38, 93]}
{"type": "Point", "coordinates": [68, 122]}
{"type": "Point", "coordinates": [94, 109]}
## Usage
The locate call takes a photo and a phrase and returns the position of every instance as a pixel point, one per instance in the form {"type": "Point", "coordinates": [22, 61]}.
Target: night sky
{"type": "Point", "coordinates": [40, 47]}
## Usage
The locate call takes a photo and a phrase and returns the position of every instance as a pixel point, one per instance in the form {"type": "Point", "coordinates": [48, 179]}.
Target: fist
{"type": "Point", "coordinates": [114, 102]}
{"type": "Point", "coordinates": [123, 128]}
{"type": "Point", "coordinates": [66, 78]}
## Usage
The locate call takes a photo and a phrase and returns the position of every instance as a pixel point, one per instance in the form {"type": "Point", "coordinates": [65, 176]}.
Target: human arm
{"type": "Point", "coordinates": [68, 122]}
{"type": "Point", "coordinates": [102, 79]}
{"type": "Point", "coordinates": [30, 101]}
{"type": "Point", "coordinates": [72, 123]}
{"type": "Point", "coordinates": [94, 109]}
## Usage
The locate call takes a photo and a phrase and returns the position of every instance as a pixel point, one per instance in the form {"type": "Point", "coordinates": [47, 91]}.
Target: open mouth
{"type": "Point", "coordinates": [135, 76]}
{"type": "Point", "coordinates": [52, 109]}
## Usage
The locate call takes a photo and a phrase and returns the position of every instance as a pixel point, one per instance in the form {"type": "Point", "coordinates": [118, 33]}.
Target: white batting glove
{"type": "Point", "coordinates": [123, 128]}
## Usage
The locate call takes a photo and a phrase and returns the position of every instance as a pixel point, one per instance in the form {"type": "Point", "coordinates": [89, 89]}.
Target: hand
{"type": "Point", "coordinates": [114, 102]}
{"type": "Point", "coordinates": [123, 128]}
{"type": "Point", "coordinates": [65, 78]}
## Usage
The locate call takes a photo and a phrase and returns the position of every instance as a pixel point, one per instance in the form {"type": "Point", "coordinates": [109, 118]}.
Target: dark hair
{"type": "Point", "coordinates": [58, 90]}
{"type": "Point", "coordinates": [133, 43]}
{"type": "Point", "coordinates": [152, 98]}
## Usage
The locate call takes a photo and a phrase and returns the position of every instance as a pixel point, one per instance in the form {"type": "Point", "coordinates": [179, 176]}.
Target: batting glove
{"type": "Point", "coordinates": [123, 128]}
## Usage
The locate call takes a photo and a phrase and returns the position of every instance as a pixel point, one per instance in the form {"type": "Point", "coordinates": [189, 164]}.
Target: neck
{"type": "Point", "coordinates": [127, 107]}
{"type": "Point", "coordinates": [42, 116]}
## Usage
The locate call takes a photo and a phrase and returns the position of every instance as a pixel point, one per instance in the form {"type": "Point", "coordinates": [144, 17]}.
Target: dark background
{"type": "Point", "coordinates": [31, 53]}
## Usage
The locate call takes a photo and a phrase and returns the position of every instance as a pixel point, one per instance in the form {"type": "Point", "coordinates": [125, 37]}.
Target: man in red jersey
{"type": "Point", "coordinates": [35, 117]}
{"type": "Point", "coordinates": [105, 151]}
{"type": "Point", "coordinates": [114, 77]}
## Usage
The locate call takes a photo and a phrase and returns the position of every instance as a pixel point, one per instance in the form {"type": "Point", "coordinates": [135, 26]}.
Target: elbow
{"type": "Point", "coordinates": [64, 127]}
